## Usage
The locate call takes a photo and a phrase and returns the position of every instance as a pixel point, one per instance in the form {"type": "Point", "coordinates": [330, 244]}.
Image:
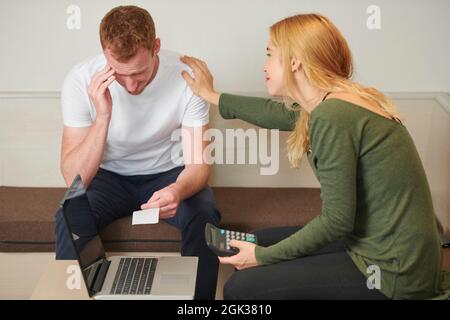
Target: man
{"type": "Point", "coordinates": [120, 109]}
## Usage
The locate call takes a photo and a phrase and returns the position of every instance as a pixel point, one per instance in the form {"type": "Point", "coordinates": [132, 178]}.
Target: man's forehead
{"type": "Point", "coordinates": [136, 64]}
{"type": "Point", "coordinates": [128, 69]}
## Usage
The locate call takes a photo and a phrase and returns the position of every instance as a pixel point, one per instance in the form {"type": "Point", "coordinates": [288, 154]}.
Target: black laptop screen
{"type": "Point", "coordinates": [82, 227]}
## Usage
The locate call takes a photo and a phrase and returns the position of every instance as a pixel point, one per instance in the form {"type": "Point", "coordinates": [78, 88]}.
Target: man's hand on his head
{"type": "Point", "coordinates": [98, 91]}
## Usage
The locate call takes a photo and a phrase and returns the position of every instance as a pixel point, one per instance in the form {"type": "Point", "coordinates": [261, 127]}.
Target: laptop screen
{"type": "Point", "coordinates": [82, 228]}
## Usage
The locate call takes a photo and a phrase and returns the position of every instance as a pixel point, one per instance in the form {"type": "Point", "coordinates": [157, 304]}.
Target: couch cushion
{"type": "Point", "coordinates": [27, 217]}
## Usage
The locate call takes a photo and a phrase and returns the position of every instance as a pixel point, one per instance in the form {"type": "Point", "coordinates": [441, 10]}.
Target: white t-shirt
{"type": "Point", "coordinates": [139, 138]}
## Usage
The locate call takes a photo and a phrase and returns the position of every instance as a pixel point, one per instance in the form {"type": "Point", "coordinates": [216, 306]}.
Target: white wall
{"type": "Point", "coordinates": [409, 53]}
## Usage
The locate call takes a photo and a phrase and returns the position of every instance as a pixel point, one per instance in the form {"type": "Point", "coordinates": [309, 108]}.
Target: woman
{"type": "Point", "coordinates": [376, 237]}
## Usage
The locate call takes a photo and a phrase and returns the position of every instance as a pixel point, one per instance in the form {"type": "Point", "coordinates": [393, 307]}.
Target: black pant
{"type": "Point", "coordinates": [111, 196]}
{"type": "Point", "coordinates": [328, 274]}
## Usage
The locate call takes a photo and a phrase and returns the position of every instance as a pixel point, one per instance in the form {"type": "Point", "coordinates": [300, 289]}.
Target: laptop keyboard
{"type": "Point", "coordinates": [134, 276]}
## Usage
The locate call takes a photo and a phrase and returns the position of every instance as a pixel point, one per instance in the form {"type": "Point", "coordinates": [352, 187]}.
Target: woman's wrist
{"type": "Point", "coordinates": [258, 250]}
{"type": "Point", "coordinates": [213, 97]}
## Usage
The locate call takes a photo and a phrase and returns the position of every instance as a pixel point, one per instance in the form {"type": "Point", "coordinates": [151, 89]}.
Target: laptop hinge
{"type": "Point", "coordinates": [100, 277]}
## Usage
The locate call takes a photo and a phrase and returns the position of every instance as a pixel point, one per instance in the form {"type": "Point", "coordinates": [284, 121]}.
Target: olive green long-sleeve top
{"type": "Point", "coordinates": [374, 191]}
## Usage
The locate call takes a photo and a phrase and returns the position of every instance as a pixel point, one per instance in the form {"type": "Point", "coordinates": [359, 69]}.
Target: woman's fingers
{"type": "Point", "coordinates": [187, 60]}
{"type": "Point", "coordinates": [237, 243]}
{"type": "Point", "coordinates": [190, 61]}
{"type": "Point", "coordinates": [195, 64]}
{"type": "Point", "coordinates": [227, 260]}
{"type": "Point", "coordinates": [199, 63]}
{"type": "Point", "coordinates": [187, 77]}
{"type": "Point", "coordinates": [202, 81]}
{"type": "Point", "coordinates": [195, 68]}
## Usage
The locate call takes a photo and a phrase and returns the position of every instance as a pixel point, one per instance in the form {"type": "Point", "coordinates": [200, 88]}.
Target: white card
{"type": "Point", "coordinates": [147, 216]}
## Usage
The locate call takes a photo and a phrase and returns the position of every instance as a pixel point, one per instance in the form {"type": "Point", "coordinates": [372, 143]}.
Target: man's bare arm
{"type": "Point", "coordinates": [191, 180]}
{"type": "Point", "coordinates": [195, 175]}
{"type": "Point", "coordinates": [82, 149]}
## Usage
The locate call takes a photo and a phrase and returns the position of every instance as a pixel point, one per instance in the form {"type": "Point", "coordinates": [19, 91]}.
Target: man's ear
{"type": "Point", "coordinates": [157, 46]}
{"type": "Point", "coordinates": [295, 64]}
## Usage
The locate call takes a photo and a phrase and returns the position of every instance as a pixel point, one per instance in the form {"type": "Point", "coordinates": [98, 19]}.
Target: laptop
{"type": "Point", "coordinates": [126, 277]}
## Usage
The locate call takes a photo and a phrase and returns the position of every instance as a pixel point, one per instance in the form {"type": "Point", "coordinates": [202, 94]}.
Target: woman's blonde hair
{"type": "Point", "coordinates": [327, 63]}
